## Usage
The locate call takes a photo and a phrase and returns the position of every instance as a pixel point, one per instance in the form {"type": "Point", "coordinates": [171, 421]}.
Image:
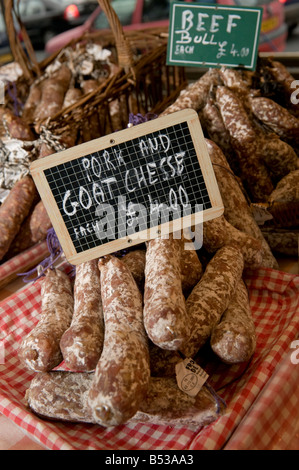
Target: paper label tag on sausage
{"type": "Point", "coordinates": [260, 213]}
{"type": "Point", "coordinates": [190, 377]}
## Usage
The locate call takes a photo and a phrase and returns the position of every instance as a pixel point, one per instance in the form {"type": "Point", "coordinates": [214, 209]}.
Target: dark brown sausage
{"type": "Point", "coordinates": [14, 210]}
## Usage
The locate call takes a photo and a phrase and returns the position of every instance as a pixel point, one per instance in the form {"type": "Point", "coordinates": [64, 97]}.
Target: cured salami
{"type": "Point", "coordinates": [236, 207]}
{"type": "Point", "coordinates": [234, 339]}
{"type": "Point", "coordinates": [211, 296]}
{"type": "Point", "coordinates": [40, 349]}
{"type": "Point", "coordinates": [82, 343]}
{"type": "Point", "coordinates": [63, 396]}
{"type": "Point", "coordinates": [122, 374]}
{"type": "Point", "coordinates": [165, 317]}
{"type": "Point", "coordinates": [14, 210]}
{"type": "Point", "coordinates": [244, 139]}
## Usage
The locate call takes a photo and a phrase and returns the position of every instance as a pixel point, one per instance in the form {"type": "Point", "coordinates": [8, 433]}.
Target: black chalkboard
{"type": "Point", "coordinates": [102, 200]}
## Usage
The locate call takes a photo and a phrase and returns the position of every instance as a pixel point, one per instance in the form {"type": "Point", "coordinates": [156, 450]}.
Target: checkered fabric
{"type": "Point", "coordinates": [248, 389]}
{"type": "Point", "coordinates": [273, 421]}
{"type": "Point", "coordinates": [19, 263]}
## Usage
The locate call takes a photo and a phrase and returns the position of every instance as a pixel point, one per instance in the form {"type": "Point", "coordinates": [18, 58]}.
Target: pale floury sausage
{"type": "Point", "coordinates": [63, 396]}
{"type": "Point", "coordinates": [122, 374]}
{"type": "Point", "coordinates": [165, 317]}
{"type": "Point", "coordinates": [233, 339]}
{"type": "Point", "coordinates": [211, 296]}
{"type": "Point", "coordinates": [236, 208]}
{"type": "Point", "coordinates": [82, 343]}
{"type": "Point", "coordinates": [244, 139]}
{"type": "Point", "coordinates": [40, 349]}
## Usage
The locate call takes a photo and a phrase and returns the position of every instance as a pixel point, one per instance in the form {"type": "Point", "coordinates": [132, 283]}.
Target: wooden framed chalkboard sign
{"type": "Point", "coordinates": [128, 187]}
{"type": "Point", "coordinates": [202, 35]}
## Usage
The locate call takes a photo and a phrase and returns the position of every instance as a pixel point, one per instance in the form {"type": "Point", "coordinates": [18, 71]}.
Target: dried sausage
{"type": "Point", "coordinates": [40, 349]}
{"type": "Point", "coordinates": [236, 207]}
{"type": "Point", "coordinates": [234, 338]}
{"type": "Point", "coordinates": [244, 139]}
{"type": "Point", "coordinates": [211, 296]}
{"type": "Point", "coordinates": [165, 316]}
{"type": "Point", "coordinates": [82, 343]}
{"type": "Point", "coordinates": [63, 396]}
{"type": "Point", "coordinates": [14, 210]}
{"type": "Point", "coordinates": [123, 371]}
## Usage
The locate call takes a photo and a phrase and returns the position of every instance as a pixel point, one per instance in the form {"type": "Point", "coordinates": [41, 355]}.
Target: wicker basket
{"type": "Point", "coordinates": [143, 83]}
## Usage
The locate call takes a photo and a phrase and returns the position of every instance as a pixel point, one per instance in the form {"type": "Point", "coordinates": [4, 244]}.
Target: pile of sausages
{"type": "Point", "coordinates": [105, 348]}
{"type": "Point", "coordinates": [126, 322]}
{"type": "Point", "coordinates": [254, 119]}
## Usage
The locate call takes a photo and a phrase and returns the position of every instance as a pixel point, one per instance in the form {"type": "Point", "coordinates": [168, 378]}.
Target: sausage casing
{"type": "Point", "coordinates": [123, 371]}
{"type": "Point", "coordinates": [82, 343]}
{"type": "Point", "coordinates": [40, 349]}
{"type": "Point", "coordinates": [165, 316]}
{"type": "Point", "coordinates": [211, 296]}
{"type": "Point", "coordinates": [233, 339]}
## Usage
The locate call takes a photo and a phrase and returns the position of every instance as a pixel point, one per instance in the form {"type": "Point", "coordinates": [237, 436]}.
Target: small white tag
{"type": "Point", "coordinates": [260, 213]}
{"type": "Point", "coordinates": [190, 377]}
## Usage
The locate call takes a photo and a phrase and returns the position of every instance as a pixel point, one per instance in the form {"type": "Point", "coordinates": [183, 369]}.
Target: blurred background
{"type": "Point", "coordinates": [51, 24]}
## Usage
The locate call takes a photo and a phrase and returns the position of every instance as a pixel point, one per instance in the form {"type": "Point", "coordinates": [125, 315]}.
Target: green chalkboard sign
{"type": "Point", "coordinates": [213, 35]}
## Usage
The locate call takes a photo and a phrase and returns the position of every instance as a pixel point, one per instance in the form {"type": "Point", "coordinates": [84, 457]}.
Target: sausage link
{"type": "Point", "coordinates": [63, 396]}
{"type": "Point", "coordinates": [166, 405]}
{"type": "Point", "coordinates": [234, 339]}
{"type": "Point", "coordinates": [211, 296]}
{"type": "Point", "coordinates": [287, 189]}
{"type": "Point", "coordinates": [71, 97]}
{"type": "Point", "coordinates": [195, 94]}
{"type": "Point", "coordinates": [191, 269]}
{"type": "Point", "coordinates": [135, 260]}
{"type": "Point", "coordinates": [245, 141]}
{"type": "Point", "coordinates": [14, 210]}
{"type": "Point", "coordinates": [16, 126]}
{"type": "Point", "coordinates": [122, 374]}
{"type": "Point", "coordinates": [278, 81]}
{"type": "Point", "coordinates": [163, 361]}
{"type": "Point", "coordinates": [284, 201]}
{"type": "Point", "coordinates": [82, 343]}
{"type": "Point", "coordinates": [277, 118]}
{"type": "Point", "coordinates": [217, 132]}
{"type": "Point", "coordinates": [165, 316]}
{"type": "Point", "coordinates": [32, 102]}
{"type": "Point", "coordinates": [236, 208]}
{"type": "Point", "coordinates": [40, 349]}
{"type": "Point", "coordinates": [282, 241]}
{"type": "Point", "coordinates": [33, 230]}
{"type": "Point", "coordinates": [53, 92]}
{"type": "Point", "coordinates": [218, 233]}
{"type": "Point", "coordinates": [279, 157]}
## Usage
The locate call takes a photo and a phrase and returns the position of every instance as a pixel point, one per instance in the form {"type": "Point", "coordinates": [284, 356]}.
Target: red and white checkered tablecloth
{"type": "Point", "coordinates": [273, 421]}
{"type": "Point", "coordinates": [21, 263]}
{"type": "Point", "coordinates": [248, 389]}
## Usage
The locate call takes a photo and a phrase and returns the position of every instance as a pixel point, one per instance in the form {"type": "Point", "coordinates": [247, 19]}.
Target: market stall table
{"type": "Point", "coordinates": [265, 418]}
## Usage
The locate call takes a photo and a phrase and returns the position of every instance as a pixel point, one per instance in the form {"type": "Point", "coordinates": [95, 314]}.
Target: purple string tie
{"type": "Point", "coordinates": [55, 251]}
{"type": "Point", "coordinates": [140, 118]}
